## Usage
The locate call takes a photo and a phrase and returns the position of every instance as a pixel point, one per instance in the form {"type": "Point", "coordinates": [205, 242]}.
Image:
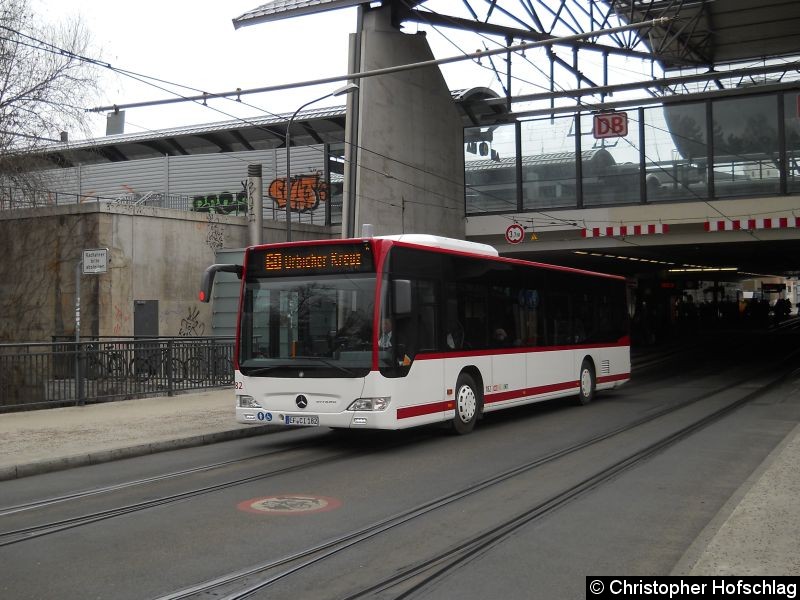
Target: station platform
{"type": "Point", "coordinates": [756, 533]}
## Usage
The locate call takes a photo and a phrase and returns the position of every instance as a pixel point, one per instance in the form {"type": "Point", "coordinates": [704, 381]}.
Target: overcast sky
{"type": "Point", "coordinates": [193, 43]}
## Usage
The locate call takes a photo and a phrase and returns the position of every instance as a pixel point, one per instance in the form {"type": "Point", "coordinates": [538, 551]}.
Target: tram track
{"type": "Point", "coordinates": [33, 532]}
{"type": "Point", "coordinates": [108, 489]}
{"type": "Point", "coordinates": [23, 534]}
{"type": "Point", "coordinates": [250, 581]}
{"type": "Point", "coordinates": [8, 538]}
{"type": "Point", "coordinates": [648, 362]}
{"type": "Point", "coordinates": [426, 572]}
{"type": "Point", "coordinates": [83, 494]}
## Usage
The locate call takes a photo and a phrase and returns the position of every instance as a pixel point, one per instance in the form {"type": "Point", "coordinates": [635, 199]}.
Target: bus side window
{"type": "Point", "coordinates": [474, 333]}
{"type": "Point", "coordinates": [427, 301]}
{"type": "Point", "coordinates": [560, 329]}
{"type": "Point", "coordinates": [405, 335]}
{"type": "Point", "coordinates": [426, 328]}
{"type": "Point", "coordinates": [453, 329]}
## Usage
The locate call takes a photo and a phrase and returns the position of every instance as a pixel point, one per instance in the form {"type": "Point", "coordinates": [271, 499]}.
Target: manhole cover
{"type": "Point", "coordinates": [289, 504]}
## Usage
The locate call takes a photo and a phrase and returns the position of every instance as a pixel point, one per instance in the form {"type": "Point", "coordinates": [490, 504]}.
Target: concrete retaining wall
{"type": "Point", "coordinates": [154, 254]}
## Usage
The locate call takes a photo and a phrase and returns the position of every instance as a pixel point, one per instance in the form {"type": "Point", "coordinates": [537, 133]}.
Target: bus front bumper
{"type": "Point", "coordinates": [346, 419]}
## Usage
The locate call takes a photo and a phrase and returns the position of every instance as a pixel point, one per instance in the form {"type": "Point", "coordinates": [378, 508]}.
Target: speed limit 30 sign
{"type": "Point", "coordinates": [515, 233]}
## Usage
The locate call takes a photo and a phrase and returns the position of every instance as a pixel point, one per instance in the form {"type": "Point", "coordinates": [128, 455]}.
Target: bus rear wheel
{"type": "Point", "coordinates": [587, 381]}
{"type": "Point", "coordinates": [468, 404]}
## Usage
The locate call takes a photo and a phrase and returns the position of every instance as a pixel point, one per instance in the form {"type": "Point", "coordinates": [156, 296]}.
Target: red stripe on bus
{"type": "Point", "coordinates": [624, 341]}
{"type": "Point", "coordinates": [610, 378]}
{"type": "Point", "coordinates": [424, 409]}
{"type": "Point", "coordinates": [502, 396]}
{"type": "Point", "coordinates": [427, 409]}
{"type": "Point", "coordinates": [534, 391]}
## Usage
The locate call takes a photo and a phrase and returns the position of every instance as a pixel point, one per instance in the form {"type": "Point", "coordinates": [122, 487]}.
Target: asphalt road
{"type": "Point", "coordinates": [527, 506]}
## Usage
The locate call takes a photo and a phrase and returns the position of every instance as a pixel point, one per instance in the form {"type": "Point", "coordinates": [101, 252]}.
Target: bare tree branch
{"type": "Point", "coordinates": [45, 83]}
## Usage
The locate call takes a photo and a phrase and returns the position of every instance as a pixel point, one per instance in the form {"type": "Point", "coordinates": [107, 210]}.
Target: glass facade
{"type": "Point", "coordinates": [549, 173]}
{"type": "Point", "coordinates": [610, 166]}
{"type": "Point", "coordinates": [490, 168]}
{"type": "Point", "coordinates": [676, 152]}
{"type": "Point", "coordinates": [336, 166]}
{"type": "Point", "coordinates": [747, 145]}
{"type": "Point", "coordinates": [746, 151]}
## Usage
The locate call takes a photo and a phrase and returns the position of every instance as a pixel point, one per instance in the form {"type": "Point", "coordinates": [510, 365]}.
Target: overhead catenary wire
{"type": "Point", "coordinates": [144, 79]}
{"type": "Point", "coordinates": [238, 92]}
{"type": "Point", "coordinates": [388, 70]}
{"type": "Point", "coordinates": [581, 104]}
{"type": "Point", "coordinates": [487, 52]}
{"type": "Point", "coordinates": [392, 204]}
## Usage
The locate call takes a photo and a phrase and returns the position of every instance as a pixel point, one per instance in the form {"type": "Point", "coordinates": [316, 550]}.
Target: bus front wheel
{"type": "Point", "coordinates": [468, 404]}
{"type": "Point", "coordinates": [587, 381]}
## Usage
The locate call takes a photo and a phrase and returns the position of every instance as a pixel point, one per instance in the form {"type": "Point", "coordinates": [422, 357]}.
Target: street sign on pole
{"type": "Point", "coordinates": [95, 261]}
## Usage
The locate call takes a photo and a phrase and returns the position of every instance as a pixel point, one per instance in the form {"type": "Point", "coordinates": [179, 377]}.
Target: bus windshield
{"type": "Point", "coordinates": [316, 326]}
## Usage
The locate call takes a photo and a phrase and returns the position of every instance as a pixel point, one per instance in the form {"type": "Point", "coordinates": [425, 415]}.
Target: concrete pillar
{"type": "Point", "coordinates": [410, 170]}
{"type": "Point", "coordinates": [255, 203]}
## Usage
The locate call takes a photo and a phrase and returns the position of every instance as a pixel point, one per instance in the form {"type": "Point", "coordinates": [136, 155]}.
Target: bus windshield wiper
{"type": "Point", "coordinates": [254, 371]}
{"type": "Point", "coordinates": [328, 363]}
{"type": "Point", "coordinates": [258, 370]}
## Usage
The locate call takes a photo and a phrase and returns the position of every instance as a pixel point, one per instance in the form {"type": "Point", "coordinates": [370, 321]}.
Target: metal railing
{"type": "Point", "coordinates": [43, 375]}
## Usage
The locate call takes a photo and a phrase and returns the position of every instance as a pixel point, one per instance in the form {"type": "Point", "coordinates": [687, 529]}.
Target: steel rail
{"type": "Point", "coordinates": [322, 551]}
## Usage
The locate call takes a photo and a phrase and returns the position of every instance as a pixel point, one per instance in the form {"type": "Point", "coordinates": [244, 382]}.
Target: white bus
{"type": "Point", "coordinates": [400, 331]}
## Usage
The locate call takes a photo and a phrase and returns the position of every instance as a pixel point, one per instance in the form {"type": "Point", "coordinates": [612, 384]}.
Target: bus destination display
{"type": "Point", "coordinates": [312, 260]}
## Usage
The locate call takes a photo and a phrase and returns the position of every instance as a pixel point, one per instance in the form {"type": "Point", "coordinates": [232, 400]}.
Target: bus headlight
{"type": "Point", "coordinates": [371, 404]}
{"type": "Point", "coordinates": [247, 402]}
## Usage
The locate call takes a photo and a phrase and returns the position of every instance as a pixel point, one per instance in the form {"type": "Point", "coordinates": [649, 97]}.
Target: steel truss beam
{"type": "Point", "coordinates": [663, 85]}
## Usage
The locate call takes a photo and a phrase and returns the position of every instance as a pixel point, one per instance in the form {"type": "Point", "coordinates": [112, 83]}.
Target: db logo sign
{"type": "Point", "coordinates": [515, 234]}
{"type": "Point", "coordinates": [608, 125]}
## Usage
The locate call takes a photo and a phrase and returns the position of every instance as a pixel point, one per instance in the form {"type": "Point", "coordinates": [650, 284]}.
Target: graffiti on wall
{"type": "Point", "coordinates": [250, 189]}
{"type": "Point", "coordinates": [307, 191]}
{"type": "Point", "coordinates": [191, 325]}
{"type": "Point", "coordinates": [223, 202]}
{"type": "Point", "coordinates": [306, 194]}
{"type": "Point", "coordinates": [215, 234]}
{"type": "Point", "coordinates": [122, 320]}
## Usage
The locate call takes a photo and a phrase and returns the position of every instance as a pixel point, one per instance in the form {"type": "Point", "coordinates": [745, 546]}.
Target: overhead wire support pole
{"type": "Point", "coordinates": [79, 399]}
{"type": "Point", "coordinates": [350, 87]}
{"type": "Point", "coordinates": [388, 70]}
{"type": "Point", "coordinates": [509, 41]}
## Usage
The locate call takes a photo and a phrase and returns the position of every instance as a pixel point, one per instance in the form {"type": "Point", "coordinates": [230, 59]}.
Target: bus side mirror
{"type": "Point", "coordinates": [402, 296]}
{"type": "Point", "coordinates": [208, 278]}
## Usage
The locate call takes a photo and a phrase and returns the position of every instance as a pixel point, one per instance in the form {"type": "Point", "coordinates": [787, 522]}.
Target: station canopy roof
{"type": "Point", "coordinates": [311, 126]}
{"type": "Point", "coordinates": [699, 33]}
{"type": "Point", "coordinates": [320, 125]}
{"type": "Point", "coordinates": [710, 32]}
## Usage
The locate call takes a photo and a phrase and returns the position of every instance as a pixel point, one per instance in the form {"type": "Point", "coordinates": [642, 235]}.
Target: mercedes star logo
{"type": "Point", "coordinates": [301, 401]}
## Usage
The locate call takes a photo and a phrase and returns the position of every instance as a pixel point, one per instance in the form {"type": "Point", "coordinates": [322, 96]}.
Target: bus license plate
{"type": "Point", "coordinates": [301, 420]}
